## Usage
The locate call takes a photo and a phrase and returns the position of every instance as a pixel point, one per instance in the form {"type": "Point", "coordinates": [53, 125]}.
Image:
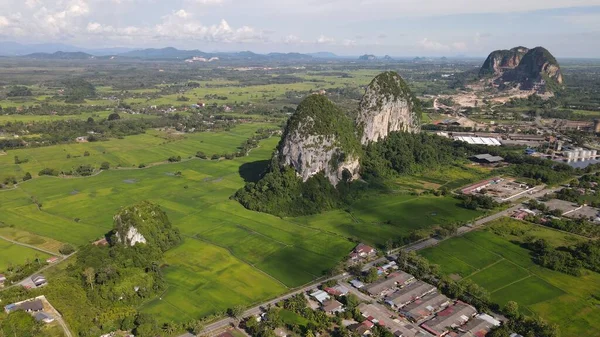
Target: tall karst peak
{"type": "Point", "coordinates": [319, 137]}
{"type": "Point", "coordinates": [388, 105]}
{"type": "Point", "coordinates": [501, 60]}
{"type": "Point", "coordinates": [524, 69]}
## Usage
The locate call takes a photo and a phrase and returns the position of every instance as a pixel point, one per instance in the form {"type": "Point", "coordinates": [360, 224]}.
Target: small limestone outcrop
{"type": "Point", "coordinates": [145, 223]}
{"type": "Point", "coordinates": [388, 105]}
{"type": "Point", "coordinates": [523, 69]}
{"type": "Point", "coordinates": [501, 60]}
{"type": "Point", "coordinates": [319, 137]}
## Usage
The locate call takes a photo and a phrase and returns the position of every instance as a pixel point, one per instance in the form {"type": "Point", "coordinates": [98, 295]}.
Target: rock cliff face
{"type": "Point", "coordinates": [387, 106]}
{"type": "Point", "coordinates": [145, 223]}
{"type": "Point", "coordinates": [524, 69]}
{"type": "Point", "coordinates": [500, 60]}
{"type": "Point", "coordinates": [320, 138]}
{"type": "Point", "coordinates": [538, 64]}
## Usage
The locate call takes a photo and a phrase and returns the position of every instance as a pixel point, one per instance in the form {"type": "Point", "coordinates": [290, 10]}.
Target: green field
{"type": "Point", "coordinates": [13, 254]}
{"type": "Point", "coordinates": [493, 259]}
{"type": "Point", "coordinates": [378, 219]}
{"type": "Point", "coordinates": [265, 254]}
{"type": "Point", "coordinates": [151, 147]}
{"type": "Point", "coordinates": [83, 116]}
{"type": "Point", "coordinates": [203, 279]}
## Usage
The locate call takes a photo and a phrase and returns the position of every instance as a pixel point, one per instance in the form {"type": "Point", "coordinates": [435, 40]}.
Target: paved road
{"type": "Point", "coordinates": [37, 272]}
{"type": "Point", "coordinates": [413, 247]}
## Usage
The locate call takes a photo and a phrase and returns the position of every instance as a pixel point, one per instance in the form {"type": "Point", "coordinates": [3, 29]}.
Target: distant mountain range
{"type": "Point", "coordinates": [53, 51]}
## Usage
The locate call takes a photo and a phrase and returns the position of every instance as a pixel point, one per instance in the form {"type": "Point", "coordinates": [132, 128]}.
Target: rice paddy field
{"type": "Point", "coordinates": [13, 254]}
{"type": "Point", "coordinates": [150, 147]}
{"type": "Point", "coordinates": [493, 259]}
{"type": "Point", "coordinates": [230, 255]}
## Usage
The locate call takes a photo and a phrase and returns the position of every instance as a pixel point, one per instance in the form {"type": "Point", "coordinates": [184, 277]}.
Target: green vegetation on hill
{"type": "Point", "coordinates": [100, 290]}
{"type": "Point", "coordinates": [151, 222]}
{"type": "Point", "coordinates": [390, 86]}
{"type": "Point", "coordinates": [317, 116]}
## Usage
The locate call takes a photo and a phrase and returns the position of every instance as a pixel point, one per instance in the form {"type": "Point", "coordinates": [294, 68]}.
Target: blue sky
{"type": "Point", "coordinates": [347, 27]}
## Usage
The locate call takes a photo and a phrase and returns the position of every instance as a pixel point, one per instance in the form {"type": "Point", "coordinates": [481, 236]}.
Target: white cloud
{"type": "Point", "coordinates": [292, 39]}
{"type": "Point", "coordinates": [433, 45]}
{"type": "Point", "coordinates": [208, 2]}
{"type": "Point", "coordinates": [325, 40]}
{"type": "Point", "coordinates": [4, 21]}
{"type": "Point", "coordinates": [459, 46]}
{"type": "Point", "coordinates": [349, 43]}
{"type": "Point", "coordinates": [180, 25]}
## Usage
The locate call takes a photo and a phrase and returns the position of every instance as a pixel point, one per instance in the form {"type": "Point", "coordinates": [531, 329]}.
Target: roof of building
{"type": "Point", "coordinates": [384, 318]}
{"type": "Point", "coordinates": [40, 316]}
{"type": "Point", "coordinates": [476, 328]}
{"type": "Point", "coordinates": [36, 305]}
{"type": "Point", "coordinates": [455, 315]}
{"type": "Point", "coordinates": [362, 248]}
{"type": "Point", "coordinates": [393, 279]}
{"type": "Point", "coordinates": [425, 306]}
{"type": "Point", "coordinates": [478, 140]}
{"type": "Point", "coordinates": [410, 293]}
{"type": "Point", "coordinates": [338, 290]}
{"type": "Point", "coordinates": [320, 296]}
{"type": "Point", "coordinates": [331, 305]}
{"type": "Point", "coordinates": [357, 284]}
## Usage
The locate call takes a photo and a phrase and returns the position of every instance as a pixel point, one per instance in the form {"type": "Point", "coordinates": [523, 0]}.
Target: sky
{"type": "Point", "coordinates": [568, 28]}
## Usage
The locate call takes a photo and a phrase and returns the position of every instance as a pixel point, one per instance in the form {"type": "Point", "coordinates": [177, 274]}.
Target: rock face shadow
{"type": "Point", "coordinates": [252, 172]}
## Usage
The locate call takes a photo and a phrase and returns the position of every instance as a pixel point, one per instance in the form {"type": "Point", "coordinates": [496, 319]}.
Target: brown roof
{"type": "Point", "coordinates": [331, 305]}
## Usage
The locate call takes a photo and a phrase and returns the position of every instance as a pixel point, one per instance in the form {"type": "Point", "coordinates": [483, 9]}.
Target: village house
{"type": "Point", "coordinates": [357, 284]}
{"type": "Point", "coordinates": [43, 317]}
{"type": "Point", "coordinates": [362, 251]}
{"type": "Point", "coordinates": [320, 296]}
{"type": "Point", "coordinates": [452, 317]}
{"type": "Point", "coordinates": [338, 290]}
{"type": "Point", "coordinates": [379, 315]}
{"type": "Point", "coordinates": [424, 307]}
{"type": "Point", "coordinates": [408, 294]}
{"type": "Point", "coordinates": [27, 306]}
{"type": "Point", "coordinates": [332, 306]}
{"type": "Point", "coordinates": [81, 139]}
{"type": "Point", "coordinates": [52, 259]}
{"type": "Point", "coordinates": [39, 280]}
{"type": "Point", "coordinates": [479, 326]}
{"type": "Point", "coordinates": [392, 281]}
{"type": "Point", "coordinates": [2, 280]}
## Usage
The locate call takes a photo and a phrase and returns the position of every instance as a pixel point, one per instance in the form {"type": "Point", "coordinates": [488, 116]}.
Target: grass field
{"type": "Point", "coordinates": [27, 238]}
{"type": "Point", "coordinates": [204, 279]}
{"type": "Point", "coordinates": [376, 220]}
{"type": "Point", "coordinates": [97, 116]}
{"type": "Point", "coordinates": [13, 254]}
{"type": "Point", "coordinates": [493, 259]}
{"type": "Point", "coordinates": [231, 255]}
{"type": "Point", "coordinates": [153, 146]}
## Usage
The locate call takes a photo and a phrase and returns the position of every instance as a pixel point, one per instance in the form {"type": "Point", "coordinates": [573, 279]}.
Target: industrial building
{"type": "Point", "coordinates": [478, 140]}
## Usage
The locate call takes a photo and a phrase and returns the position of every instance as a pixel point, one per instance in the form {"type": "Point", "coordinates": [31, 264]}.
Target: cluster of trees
{"type": "Point", "coordinates": [317, 321]}
{"type": "Point", "coordinates": [477, 201]}
{"type": "Point", "coordinates": [19, 91]}
{"type": "Point", "coordinates": [22, 324]}
{"type": "Point", "coordinates": [101, 289]}
{"type": "Point", "coordinates": [78, 89]}
{"type": "Point", "coordinates": [568, 260]}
